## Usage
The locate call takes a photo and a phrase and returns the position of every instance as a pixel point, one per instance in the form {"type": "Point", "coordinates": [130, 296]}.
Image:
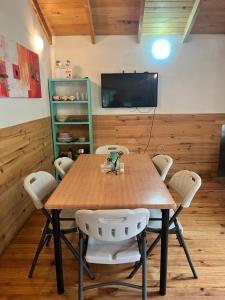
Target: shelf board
{"type": "Point", "coordinates": [72, 143]}
{"type": "Point", "coordinates": [71, 123]}
{"type": "Point", "coordinates": [70, 102]}
{"type": "Point", "coordinates": [68, 79]}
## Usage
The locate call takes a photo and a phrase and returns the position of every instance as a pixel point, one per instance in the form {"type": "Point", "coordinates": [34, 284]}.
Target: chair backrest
{"type": "Point", "coordinates": [186, 184]}
{"type": "Point", "coordinates": [112, 225]}
{"type": "Point", "coordinates": [62, 165]}
{"type": "Point", "coordinates": [163, 164]}
{"type": "Point", "coordinates": [109, 148]}
{"type": "Point", "coordinates": [39, 185]}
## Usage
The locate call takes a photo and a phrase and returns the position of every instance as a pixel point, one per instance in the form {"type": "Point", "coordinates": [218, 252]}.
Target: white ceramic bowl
{"type": "Point", "coordinates": [61, 118]}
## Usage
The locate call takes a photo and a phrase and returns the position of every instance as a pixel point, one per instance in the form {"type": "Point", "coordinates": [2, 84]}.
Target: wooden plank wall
{"type": "Point", "coordinates": [24, 148]}
{"type": "Point", "coordinates": [192, 140]}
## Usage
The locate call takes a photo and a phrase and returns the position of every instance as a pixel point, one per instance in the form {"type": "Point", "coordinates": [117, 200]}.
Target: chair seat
{"type": "Point", "coordinates": [101, 252]}
{"type": "Point", "coordinates": [156, 225]}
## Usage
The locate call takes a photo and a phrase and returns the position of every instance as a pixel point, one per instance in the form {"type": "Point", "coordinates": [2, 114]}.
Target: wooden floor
{"type": "Point", "coordinates": [204, 224]}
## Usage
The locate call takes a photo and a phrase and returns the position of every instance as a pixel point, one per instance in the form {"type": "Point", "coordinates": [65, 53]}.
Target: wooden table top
{"type": "Point", "coordinates": [87, 187]}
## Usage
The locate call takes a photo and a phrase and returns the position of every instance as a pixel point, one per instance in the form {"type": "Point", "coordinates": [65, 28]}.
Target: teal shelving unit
{"type": "Point", "coordinates": [70, 87]}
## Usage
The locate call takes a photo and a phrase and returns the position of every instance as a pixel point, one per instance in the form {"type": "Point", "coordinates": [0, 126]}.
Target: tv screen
{"type": "Point", "coordinates": [129, 90]}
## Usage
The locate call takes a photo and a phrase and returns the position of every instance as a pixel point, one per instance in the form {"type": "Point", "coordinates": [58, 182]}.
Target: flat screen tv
{"type": "Point", "coordinates": [129, 90]}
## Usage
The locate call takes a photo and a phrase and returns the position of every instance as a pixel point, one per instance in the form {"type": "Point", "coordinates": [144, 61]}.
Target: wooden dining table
{"type": "Point", "coordinates": [86, 186]}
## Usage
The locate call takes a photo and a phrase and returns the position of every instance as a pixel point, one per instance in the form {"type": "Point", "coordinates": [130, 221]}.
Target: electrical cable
{"type": "Point", "coordinates": [150, 134]}
{"type": "Point", "coordinates": [143, 112]}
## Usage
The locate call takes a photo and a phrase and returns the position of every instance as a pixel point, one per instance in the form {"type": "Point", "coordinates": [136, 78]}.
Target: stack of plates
{"type": "Point", "coordinates": [64, 137]}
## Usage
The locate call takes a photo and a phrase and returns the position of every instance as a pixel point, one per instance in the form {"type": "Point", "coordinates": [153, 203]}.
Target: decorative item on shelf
{"type": "Point", "coordinates": [63, 71]}
{"type": "Point", "coordinates": [62, 154]}
{"type": "Point", "coordinates": [67, 63]}
{"type": "Point", "coordinates": [82, 97]}
{"type": "Point", "coordinates": [80, 151]}
{"type": "Point", "coordinates": [81, 139]}
{"type": "Point", "coordinates": [70, 153]}
{"type": "Point", "coordinates": [56, 98]}
{"type": "Point", "coordinates": [64, 98]}
{"type": "Point", "coordinates": [113, 164]}
{"type": "Point", "coordinates": [61, 118]}
{"type": "Point", "coordinates": [58, 64]}
{"type": "Point", "coordinates": [64, 137]}
{"type": "Point", "coordinates": [71, 98]}
{"type": "Point", "coordinates": [77, 96]}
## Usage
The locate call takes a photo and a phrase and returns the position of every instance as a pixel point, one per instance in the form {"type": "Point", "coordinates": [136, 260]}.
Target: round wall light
{"type": "Point", "coordinates": [161, 49]}
{"type": "Point", "coordinates": [38, 43]}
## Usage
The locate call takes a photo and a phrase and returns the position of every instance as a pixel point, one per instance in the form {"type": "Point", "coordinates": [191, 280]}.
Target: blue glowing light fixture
{"type": "Point", "coordinates": [161, 49]}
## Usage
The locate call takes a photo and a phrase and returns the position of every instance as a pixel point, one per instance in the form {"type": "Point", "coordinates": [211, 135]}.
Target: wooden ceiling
{"type": "Point", "coordinates": [166, 17]}
{"type": "Point", "coordinates": [130, 17]}
{"type": "Point", "coordinates": [211, 17]}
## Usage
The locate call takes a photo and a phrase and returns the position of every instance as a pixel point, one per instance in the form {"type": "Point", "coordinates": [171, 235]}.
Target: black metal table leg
{"type": "Point", "coordinates": [164, 251]}
{"type": "Point", "coordinates": [58, 251]}
{"type": "Point", "coordinates": [144, 266]}
{"type": "Point", "coordinates": [81, 270]}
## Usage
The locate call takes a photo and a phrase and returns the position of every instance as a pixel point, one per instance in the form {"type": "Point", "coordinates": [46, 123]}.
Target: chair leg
{"type": "Point", "coordinates": [187, 255]}
{"type": "Point", "coordinates": [144, 267]}
{"type": "Point", "coordinates": [179, 240]}
{"type": "Point", "coordinates": [48, 240]}
{"type": "Point", "coordinates": [38, 251]}
{"type": "Point", "coordinates": [76, 255]}
{"type": "Point", "coordinates": [81, 271]}
{"type": "Point", "coordinates": [149, 251]}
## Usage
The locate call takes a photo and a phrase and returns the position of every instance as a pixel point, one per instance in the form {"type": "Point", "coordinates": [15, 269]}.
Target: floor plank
{"type": "Point", "coordinates": [204, 224]}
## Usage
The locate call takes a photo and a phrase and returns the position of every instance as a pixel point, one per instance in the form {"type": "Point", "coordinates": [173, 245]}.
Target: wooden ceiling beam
{"type": "Point", "coordinates": [191, 21]}
{"type": "Point", "coordinates": [90, 21]}
{"type": "Point", "coordinates": [41, 20]}
{"type": "Point", "coordinates": [141, 17]}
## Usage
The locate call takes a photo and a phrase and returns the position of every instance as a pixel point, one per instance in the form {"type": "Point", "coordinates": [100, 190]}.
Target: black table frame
{"type": "Point", "coordinates": [58, 251]}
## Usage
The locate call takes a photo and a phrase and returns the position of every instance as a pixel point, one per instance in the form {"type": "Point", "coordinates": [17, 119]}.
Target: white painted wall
{"type": "Point", "coordinates": [19, 24]}
{"type": "Point", "coordinates": [192, 80]}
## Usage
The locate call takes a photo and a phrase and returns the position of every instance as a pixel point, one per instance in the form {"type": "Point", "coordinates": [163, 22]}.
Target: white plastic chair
{"type": "Point", "coordinates": [62, 165]}
{"type": "Point", "coordinates": [39, 186]}
{"type": "Point", "coordinates": [109, 148]}
{"type": "Point", "coordinates": [112, 239]}
{"type": "Point", "coordinates": [163, 164]}
{"type": "Point", "coordinates": [186, 184]}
